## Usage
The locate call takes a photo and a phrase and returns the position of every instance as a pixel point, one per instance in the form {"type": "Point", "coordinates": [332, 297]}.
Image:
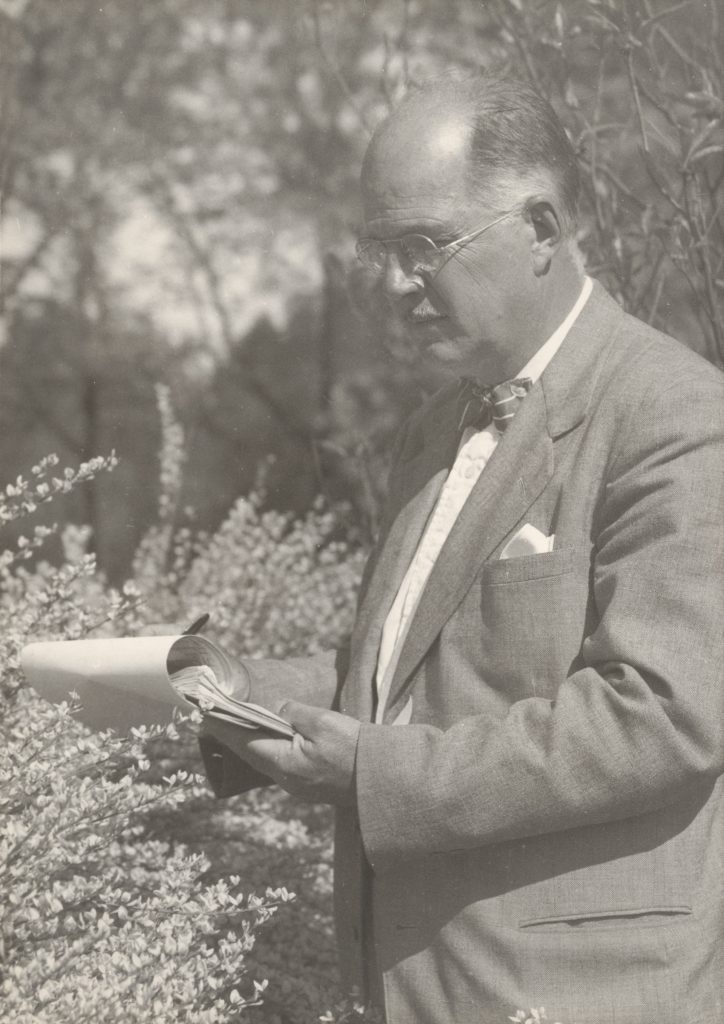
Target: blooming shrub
{"type": "Point", "coordinates": [120, 876]}
{"type": "Point", "coordinates": [114, 865]}
{"type": "Point", "coordinates": [275, 586]}
{"type": "Point", "coordinates": [100, 921]}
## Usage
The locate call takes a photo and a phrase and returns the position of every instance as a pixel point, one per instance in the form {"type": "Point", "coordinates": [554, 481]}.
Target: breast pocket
{"type": "Point", "coordinates": [531, 567]}
{"type": "Point", "coordinates": [533, 611]}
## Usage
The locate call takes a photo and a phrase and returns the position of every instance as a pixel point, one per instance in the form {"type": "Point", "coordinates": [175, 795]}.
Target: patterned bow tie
{"type": "Point", "coordinates": [497, 404]}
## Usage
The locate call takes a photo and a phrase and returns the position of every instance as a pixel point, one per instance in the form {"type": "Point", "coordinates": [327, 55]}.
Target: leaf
{"type": "Point", "coordinates": [699, 139]}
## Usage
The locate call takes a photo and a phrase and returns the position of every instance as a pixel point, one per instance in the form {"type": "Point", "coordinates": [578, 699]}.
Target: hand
{"type": "Point", "coordinates": [317, 765]}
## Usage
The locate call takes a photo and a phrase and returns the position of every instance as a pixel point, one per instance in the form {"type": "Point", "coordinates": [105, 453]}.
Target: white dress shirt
{"type": "Point", "coordinates": [476, 447]}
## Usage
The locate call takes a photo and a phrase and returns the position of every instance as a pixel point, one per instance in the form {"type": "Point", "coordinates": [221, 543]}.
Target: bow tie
{"type": "Point", "coordinates": [497, 404]}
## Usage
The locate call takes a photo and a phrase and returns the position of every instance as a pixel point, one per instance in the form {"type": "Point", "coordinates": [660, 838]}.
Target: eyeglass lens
{"type": "Point", "coordinates": [415, 252]}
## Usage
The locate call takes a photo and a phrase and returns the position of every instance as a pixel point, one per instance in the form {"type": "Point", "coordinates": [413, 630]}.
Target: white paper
{"type": "Point", "coordinates": [123, 682]}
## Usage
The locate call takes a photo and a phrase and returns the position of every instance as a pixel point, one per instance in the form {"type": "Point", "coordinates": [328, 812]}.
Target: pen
{"type": "Point", "coordinates": [197, 625]}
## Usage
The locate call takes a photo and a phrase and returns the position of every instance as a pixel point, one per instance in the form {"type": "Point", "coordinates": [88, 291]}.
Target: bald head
{"type": "Point", "coordinates": [495, 138]}
{"type": "Point", "coordinates": [436, 147]}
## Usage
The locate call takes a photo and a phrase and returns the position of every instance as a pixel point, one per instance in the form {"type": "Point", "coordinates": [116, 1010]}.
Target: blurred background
{"type": "Point", "coordinates": [179, 206]}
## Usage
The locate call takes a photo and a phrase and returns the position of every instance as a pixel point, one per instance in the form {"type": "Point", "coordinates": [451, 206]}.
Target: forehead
{"type": "Point", "coordinates": [416, 170]}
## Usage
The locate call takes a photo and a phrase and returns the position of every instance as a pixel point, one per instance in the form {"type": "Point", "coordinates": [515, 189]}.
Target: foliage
{"type": "Point", "coordinates": [180, 201]}
{"type": "Point", "coordinates": [177, 170]}
{"type": "Point", "coordinates": [120, 876]}
{"type": "Point", "coordinates": [99, 922]}
{"type": "Point", "coordinates": [641, 89]}
{"type": "Point", "coordinates": [275, 586]}
{"type": "Point", "coordinates": [113, 903]}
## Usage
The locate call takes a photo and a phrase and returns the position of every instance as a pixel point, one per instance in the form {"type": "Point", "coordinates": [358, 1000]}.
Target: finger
{"type": "Point", "coordinates": [246, 743]}
{"type": "Point", "coordinates": [303, 718]}
{"type": "Point", "coordinates": [230, 735]}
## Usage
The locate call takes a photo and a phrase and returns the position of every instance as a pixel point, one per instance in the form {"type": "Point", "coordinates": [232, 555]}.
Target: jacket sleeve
{"type": "Point", "coordinates": [640, 722]}
{"type": "Point", "coordinates": [314, 680]}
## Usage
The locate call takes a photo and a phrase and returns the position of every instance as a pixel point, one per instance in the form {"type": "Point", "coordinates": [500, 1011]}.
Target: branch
{"type": "Point", "coordinates": [518, 37]}
{"type": "Point", "coordinates": [334, 70]}
{"type": "Point", "coordinates": [615, 180]}
{"type": "Point", "coordinates": [700, 249]}
{"type": "Point", "coordinates": [662, 188]}
{"type": "Point", "coordinates": [185, 228]}
{"type": "Point", "coordinates": [681, 53]}
{"type": "Point", "coordinates": [17, 274]}
{"type": "Point", "coordinates": [637, 99]}
{"type": "Point", "coordinates": [664, 14]}
{"type": "Point", "coordinates": [654, 308]}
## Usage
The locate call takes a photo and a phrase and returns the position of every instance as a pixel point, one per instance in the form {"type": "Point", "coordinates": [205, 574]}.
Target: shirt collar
{"type": "Point", "coordinates": [535, 366]}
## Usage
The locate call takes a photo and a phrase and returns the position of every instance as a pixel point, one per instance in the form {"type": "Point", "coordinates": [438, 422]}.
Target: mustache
{"type": "Point", "coordinates": [423, 312]}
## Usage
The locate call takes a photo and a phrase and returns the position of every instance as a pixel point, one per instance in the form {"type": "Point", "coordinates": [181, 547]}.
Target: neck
{"type": "Point", "coordinates": [557, 294]}
{"type": "Point", "coordinates": [539, 314]}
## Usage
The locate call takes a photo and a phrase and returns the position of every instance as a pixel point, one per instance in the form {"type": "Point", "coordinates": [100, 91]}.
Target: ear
{"type": "Point", "coordinates": [547, 232]}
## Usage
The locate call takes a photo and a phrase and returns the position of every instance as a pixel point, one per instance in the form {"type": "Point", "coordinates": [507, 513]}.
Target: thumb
{"type": "Point", "coordinates": [301, 717]}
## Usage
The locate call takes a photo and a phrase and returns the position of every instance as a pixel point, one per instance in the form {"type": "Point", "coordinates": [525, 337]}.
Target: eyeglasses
{"type": "Point", "coordinates": [416, 253]}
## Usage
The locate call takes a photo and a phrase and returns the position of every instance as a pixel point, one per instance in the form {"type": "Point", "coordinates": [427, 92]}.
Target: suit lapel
{"type": "Point", "coordinates": [420, 475]}
{"type": "Point", "coordinates": [518, 471]}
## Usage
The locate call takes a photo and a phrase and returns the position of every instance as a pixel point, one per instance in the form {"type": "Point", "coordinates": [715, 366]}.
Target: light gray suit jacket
{"type": "Point", "coordinates": [548, 830]}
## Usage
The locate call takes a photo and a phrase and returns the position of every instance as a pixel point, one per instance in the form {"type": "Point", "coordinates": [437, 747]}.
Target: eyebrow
{"type": "Point", "coordinates": [417, 229]}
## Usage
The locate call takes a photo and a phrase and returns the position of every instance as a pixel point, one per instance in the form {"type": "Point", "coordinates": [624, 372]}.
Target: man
{"type": "Point", "coordinates": [527, 750]}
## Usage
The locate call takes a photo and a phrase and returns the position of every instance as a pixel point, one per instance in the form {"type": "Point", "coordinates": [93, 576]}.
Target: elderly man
{"type": "Point", "coordinates": [528, 742]}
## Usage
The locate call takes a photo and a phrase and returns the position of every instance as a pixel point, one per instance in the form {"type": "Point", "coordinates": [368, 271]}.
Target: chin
{"type": "Point", "coordinates": [445, 350]}
{"type": "Point", "coordinates": [441, 363]}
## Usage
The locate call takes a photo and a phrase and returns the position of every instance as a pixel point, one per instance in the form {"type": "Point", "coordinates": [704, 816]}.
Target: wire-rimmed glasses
{"type": "Point", "coordinates": [416, 252]}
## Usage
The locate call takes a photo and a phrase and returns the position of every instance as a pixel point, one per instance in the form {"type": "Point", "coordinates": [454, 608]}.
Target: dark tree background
{"type": "Point", "coordinates": [179, 205]}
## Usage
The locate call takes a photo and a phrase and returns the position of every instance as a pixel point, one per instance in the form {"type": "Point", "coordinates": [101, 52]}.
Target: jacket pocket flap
{"type": "Point", "coordinates": [642, 916]}
{"type": "Point", "coordinates": [532, 567]}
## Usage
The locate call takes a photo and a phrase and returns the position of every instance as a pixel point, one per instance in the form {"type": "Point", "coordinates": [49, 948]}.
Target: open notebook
{"type": "Point", "coordinates": [123, 682]}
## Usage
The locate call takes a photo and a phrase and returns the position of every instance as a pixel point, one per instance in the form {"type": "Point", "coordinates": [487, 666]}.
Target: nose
{"type": "Point", "coordinates": [399, 281]}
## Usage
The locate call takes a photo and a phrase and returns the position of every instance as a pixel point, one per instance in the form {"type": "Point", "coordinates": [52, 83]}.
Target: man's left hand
{"type": "Point", "coordinates": [316, 765]}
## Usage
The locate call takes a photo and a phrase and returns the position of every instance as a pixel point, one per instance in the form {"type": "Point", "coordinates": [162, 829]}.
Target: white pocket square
{"type": "Point", "coordinates": [528, 541]}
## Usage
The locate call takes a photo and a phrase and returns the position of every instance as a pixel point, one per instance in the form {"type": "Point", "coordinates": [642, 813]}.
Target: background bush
{"type": "Point", "coordinates": [179, 205]}
{"type": "Point", "coordinates": [120, 876]}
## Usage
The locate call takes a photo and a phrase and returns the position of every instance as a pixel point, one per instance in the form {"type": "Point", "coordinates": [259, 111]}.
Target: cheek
{"type": "Point", "coordinates": [453, 295]}
{"type": "Point", "coordinates": [471, 309]}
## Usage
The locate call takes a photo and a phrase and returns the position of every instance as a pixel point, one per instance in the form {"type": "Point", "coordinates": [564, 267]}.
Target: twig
{"type": "Point", "coordinates": [616, 181]}
{"type": "Point", "coordinates": [682, 54]}
{"type": "Point", "coordinates": [664, 14]}
{"type": "Point", "coordinates": [657, 299]}
{"type": "Point", "coordinates": [594, 139]}
{"type": "Point", "coordinates": [637, 100]}
{"type": "Point", "coordinates": [201, 255]}
{"type": "Point", "coordinates": [657, 103]}
{"type": "Point", "coordinates": [518, 36]}
{"type": "Point", "coordinates": [335, 72]}
{"type": "Point", "coordinates": [643, 290]}
{"type": "Point", "coordinates": [665, 192]}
